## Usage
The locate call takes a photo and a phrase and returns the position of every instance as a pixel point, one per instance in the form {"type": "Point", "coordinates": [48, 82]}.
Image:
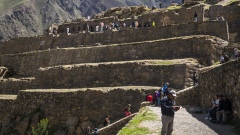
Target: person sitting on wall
{"type": "Point", "coordinates": [225, 108]}
{"type": "Point", "coordinates": [212, 111]}
{"type": "Point", "coordinates": [127, 110]}
{"type": "Point", "coordinates": [195, 16]}
{"type": "Point", "coordinates": [106, 121]}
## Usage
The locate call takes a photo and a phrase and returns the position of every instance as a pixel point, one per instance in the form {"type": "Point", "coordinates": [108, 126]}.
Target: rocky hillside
{"type": "Point", "coordinates": [21, 18]}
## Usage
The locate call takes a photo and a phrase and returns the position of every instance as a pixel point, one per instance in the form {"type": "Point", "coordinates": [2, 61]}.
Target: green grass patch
{"type": "Point", "coordinates": [133, 128]}
{"type": "Point", "coordinates": [8, 4]}
{"type": "Point", "coordinates": [174, 7]}
{"type": "Point", "coordinates": [162, 63]}
{"type": "Point", "coordinates": [231, 2]}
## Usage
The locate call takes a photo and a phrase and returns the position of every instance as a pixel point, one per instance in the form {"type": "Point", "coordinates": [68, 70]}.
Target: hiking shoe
{"type": "Point", "coordinates": [206, 118]}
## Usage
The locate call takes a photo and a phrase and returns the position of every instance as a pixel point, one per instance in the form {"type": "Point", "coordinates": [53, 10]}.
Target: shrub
{"type": "Point", "coordinates": [42, 128]}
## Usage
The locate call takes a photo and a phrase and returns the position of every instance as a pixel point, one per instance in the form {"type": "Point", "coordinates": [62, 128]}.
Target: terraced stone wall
{"type": "Point", "coordinates": [13, 86]}
{"type": "Point", "coordinates": [230, 13]}
{"type": "Point", "coordinates": [5, 105]}
{"type": "Point", "coordinates": [19, 45]}
{"type": "Point", "coordinates": [200, 47]}
{"type": "Point", "coordinates": [74, 108]}
{"type": "Point", "coordinates": [223, 79]}
{"type": "Point", "coordinates": [103, 75]}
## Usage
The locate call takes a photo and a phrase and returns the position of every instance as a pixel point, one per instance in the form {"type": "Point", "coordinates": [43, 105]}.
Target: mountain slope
{"type": "Point", "coordinates": [21, 18]}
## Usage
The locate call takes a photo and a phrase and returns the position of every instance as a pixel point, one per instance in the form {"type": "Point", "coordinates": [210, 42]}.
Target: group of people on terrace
{"type": "Point", "coordinates": [225, 58]}
{"type": "Point", "coordinates": [115, 26]}
{"type": "Point", "coordinates": [221, 108]}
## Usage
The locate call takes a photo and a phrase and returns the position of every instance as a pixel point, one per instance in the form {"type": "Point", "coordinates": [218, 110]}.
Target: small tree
{"type": "Point", "coordinates": [42, 128]}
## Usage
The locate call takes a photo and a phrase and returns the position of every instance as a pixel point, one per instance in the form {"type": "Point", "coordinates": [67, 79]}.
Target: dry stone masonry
{"type": "Point", "coordinates": [76, 79]}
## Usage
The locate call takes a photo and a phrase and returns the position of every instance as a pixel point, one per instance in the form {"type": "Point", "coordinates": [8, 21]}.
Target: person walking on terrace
{"type": "Point", "coordinates": [195, 78]}
{"type": "Point", "coordinates": [168, 109]}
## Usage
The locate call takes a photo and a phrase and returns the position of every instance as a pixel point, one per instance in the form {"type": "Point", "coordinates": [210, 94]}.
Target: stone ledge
{"type": "Point", "coordinates": [8, 97]}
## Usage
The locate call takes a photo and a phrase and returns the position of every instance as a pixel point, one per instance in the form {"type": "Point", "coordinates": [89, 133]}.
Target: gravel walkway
{"type": "Point", "coordinates": [187, 124]}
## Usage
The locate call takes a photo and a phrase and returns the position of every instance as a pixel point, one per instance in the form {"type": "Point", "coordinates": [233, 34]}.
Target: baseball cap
{"type": "Point", "coordinates": [173, 92]}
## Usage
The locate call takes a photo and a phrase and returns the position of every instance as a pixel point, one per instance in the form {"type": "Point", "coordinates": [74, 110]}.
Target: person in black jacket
{"type": "Point", "coordinates": [224, 109]}
{"type": "Point", "coordinates": [168, 109]}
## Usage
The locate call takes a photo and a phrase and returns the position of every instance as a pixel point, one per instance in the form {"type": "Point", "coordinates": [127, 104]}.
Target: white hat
{"type": "Point", "coordinates": [173, 92]}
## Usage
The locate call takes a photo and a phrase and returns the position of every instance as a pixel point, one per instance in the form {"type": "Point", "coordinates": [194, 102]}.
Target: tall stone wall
{"type": "Point", "coordinates": [230, 13]}
{"type": "Point", "coordinates": [13, 86]}
{"type": "Point", "coordinates": [112, 74]}
{"type": "Point", "coordinates": [219, 29]}
{"type": "Point", "coordinates": [6, 102]}
{"type": "Point", "coordinates": [223, 79]}
{"type": "Point", "coordinates": [74, 108]}
{"type": "Point", "coordinates": [27, 64]}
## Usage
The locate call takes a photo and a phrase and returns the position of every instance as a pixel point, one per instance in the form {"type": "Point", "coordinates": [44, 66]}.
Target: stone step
{"type": "Point", "coordinates": [171, 48]}
{"type": "Point", "coordinates": [140, 72]}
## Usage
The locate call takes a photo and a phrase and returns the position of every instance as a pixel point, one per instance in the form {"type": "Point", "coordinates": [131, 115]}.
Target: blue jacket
{"type": "Point", "coordinates": [164, 88]}
{"type": "Point", "coordinates": [166, 106]}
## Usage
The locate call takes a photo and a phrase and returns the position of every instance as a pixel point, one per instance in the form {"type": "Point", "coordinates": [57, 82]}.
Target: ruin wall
{"type": "Point", "coordinates": [76, 108]}
{"type": "Point", "coordinates": [19, 45]}
{"type": "Point", "coordinates": [103, 75]}
{"type": "Point", "coordinates": [27, 64]}
{"type": "Point", "coordinates": [230, 13]}
{"type": "Point", "coordinates": [222, 79]}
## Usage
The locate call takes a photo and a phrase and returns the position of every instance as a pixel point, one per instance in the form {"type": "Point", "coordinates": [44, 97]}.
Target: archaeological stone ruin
{"type": "Point", "coordinates": [75, 79]}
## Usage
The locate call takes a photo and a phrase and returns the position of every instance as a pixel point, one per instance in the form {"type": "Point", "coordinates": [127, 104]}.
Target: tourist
{"type": "Point", "coordinates": [224, 109]}
{"type": "Point", "coordinates": [195, 16]}
{"type": "Point", "coordinates": [124, 25]}
{"type": "Point", "coordinates": [212, 111]}
{"type": "Point", "coordinates": [97, 28]}
{"type": "Point", "coordinates": [155, 97]}
{"type": "Point", "coordinates": [67, 30]}
{"type": "Point", "coordinates": [95, 131]}
{"type": "Point", "coordinates": [226, 58]}
{"type": "Point", "coordinates": [116, 26]}
{"type": "Point", "coordinates": [195, 78]}
{"type": "Point", "coordinates": [101, 26]}
{"type": "Point", "coordinates": [153, 24]}
{"type": "Point", "coordinates": [106, 121]}
{"type": "Point", "coordinates": [221, 59]}
{"type": "Point", "coordinates": [127, 110]}
{"type": "Point", "coordinates": [159, 96]}
{"type": "Point", "coordinates": [220, 18]}
{"type": "Point", "coordinates": [168, 109]}
{"type": "Point", "coordinates": [149, 98]}
{"type": "Point", "coordinates": [88, 130]}
{"type": "Point", "coordinates": [160, 5]}
{"type": "Point", "coordinates": [165, 89]}
{"type": "Point", "coordinates": [136, 24]}
{"type": "Point", "coordinates": [236, 53]}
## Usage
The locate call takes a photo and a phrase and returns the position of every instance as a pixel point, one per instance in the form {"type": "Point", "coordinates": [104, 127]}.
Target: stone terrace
{"type": "Point", "coordinates": [76, 87]}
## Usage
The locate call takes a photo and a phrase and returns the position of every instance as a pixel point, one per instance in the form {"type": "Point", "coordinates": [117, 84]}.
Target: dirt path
{"type": "Point", "coordinates": [187, 124]}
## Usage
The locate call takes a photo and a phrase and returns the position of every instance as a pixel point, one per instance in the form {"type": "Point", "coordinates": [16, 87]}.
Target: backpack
{"type": "Point", "coordinates": [225, 58]}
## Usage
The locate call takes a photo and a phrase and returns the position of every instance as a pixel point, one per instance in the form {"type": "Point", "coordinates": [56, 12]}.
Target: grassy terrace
{"type": "Point", "coordinates": [134, 128]}
{"type": "Point", "coordinates": [7, 4]}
